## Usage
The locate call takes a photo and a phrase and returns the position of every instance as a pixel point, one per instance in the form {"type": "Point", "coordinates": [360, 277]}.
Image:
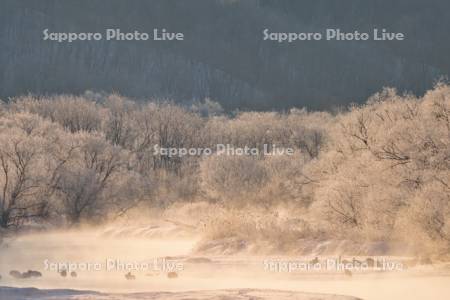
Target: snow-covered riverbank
{"type": "Point", "coordinates": [200, 277]}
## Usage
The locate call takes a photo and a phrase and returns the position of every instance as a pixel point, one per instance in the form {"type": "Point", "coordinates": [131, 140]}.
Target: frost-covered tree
{"type": "Point", "coordinates": [23, 173]}
{"type": "Point", "coordinates": [90, 171]}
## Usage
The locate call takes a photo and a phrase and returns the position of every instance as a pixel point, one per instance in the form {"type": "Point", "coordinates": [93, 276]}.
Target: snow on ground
{"type": "Point", "coordinates": [215, 275]}
{"type": "Point", "coordinates": [7, 293]}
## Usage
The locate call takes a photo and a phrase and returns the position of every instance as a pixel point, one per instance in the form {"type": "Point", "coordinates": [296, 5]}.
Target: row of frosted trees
{"type": "Point", "coordinates": [374, 171]}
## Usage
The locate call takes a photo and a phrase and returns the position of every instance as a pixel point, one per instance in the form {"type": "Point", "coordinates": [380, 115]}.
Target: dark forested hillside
{"type": "Point", "coordinates": [223, 55]}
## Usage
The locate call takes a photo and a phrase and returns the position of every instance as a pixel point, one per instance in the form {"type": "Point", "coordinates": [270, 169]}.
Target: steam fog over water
{"type": "Point", "coordinates": [207, 273]}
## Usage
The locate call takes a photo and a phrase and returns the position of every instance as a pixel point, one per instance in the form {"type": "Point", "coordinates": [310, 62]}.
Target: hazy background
{"type": "Point", "coordinates": [223, 56]}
